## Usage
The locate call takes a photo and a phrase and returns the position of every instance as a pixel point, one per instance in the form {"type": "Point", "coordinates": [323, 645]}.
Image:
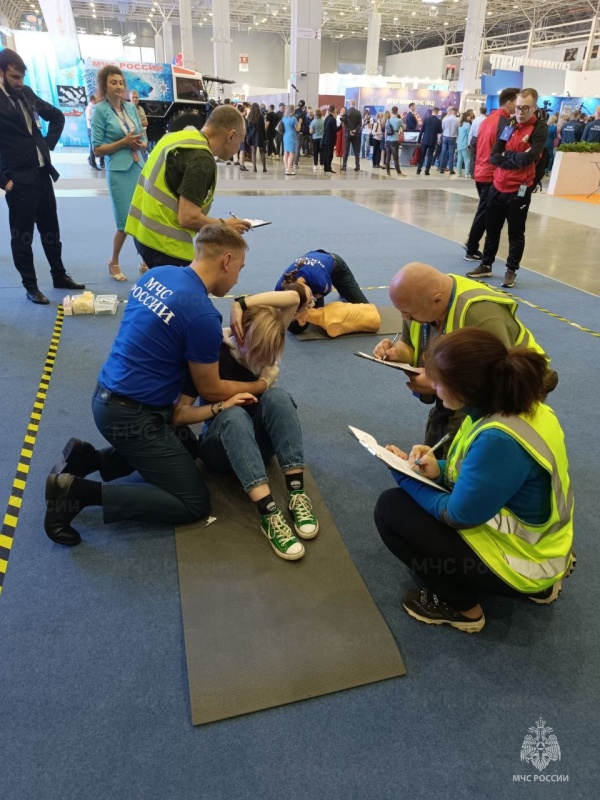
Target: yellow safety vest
{"type": "Point", "coordinates": [153, 213]}
{"type": "Point", "coordinates": [466, 293]}
{"type": "Point", "coordinates": [530, 558]}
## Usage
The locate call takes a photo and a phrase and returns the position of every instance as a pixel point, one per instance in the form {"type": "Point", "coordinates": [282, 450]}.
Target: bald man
{"type": "Point", "coordinates": [433, 304]}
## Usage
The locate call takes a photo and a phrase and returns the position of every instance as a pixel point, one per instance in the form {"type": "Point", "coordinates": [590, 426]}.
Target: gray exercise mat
{"type": "Point", "coordinates": [391, 323]}
{"type": "Point", "coordinates": [260, 631]}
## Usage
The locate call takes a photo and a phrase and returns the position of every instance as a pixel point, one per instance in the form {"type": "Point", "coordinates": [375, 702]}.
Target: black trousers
{"type": "Point", "coordinates": [473, 156]}
{"type": "Point", "coordinates": [510, 208]}
{"type": "Point", "coordinates": [427, 151]}
{"type": "Point", "coordinates": [154, 258]}
{"type": "Point", "coordinates": [316, 152]}
{"type": "Point", "coordinates": [355, 142]}
{"type": "Point", "coordinates": [344, 282]}
{"type": "Point", "coordinates": [376, 152]}
{"type": "Point", "coordinates": [327, 155]}
{"type": "Point", "coordinates": [478, 224]}
{"type": "Point", "coordinates": [30, 206]}
{"type": "Point", "coordinates": [143, 440]}
{"type": "Point", "coordinates": [436, 553]}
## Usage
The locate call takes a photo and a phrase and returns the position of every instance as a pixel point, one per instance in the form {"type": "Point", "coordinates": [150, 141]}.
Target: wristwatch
{"type": "Point", "coordinates": [219, 406]}
{"type": "Point", "coordinates": [242, 301]}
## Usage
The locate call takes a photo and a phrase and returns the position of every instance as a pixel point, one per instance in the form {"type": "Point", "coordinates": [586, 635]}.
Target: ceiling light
{"type": "Point", "coordinates": [413, 13]}
{"type": "Point", "coordinates": [445, 23]}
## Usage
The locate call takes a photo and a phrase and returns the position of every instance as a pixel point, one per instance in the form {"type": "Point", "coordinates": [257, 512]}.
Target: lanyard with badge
{"type": "Point", "coordinates": [125, 127]}
{"type": "Point", "coordinates": [505, 135]}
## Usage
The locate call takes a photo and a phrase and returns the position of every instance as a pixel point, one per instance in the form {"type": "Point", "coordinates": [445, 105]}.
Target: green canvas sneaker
{"type": "Point", "coordinates": [280, 535]}
{"type": "Point", "coordinates": [305, 522]}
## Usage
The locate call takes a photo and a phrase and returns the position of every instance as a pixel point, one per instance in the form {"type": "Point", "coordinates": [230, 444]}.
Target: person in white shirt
{"type": "Point", "coordinates": [476, 124]}
{"type": "Point", "coordinates": [449, 134]}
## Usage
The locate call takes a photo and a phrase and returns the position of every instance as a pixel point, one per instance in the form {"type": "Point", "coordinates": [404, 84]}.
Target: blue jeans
{"type": "Point", "coordinates": [244, 443]}
{"type": "Point", "coordinates": [447, 154]}
{"type": "Point", "coordinates": [364, 145]}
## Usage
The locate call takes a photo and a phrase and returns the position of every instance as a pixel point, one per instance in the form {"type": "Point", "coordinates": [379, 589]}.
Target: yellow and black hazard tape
{"type": "Point", "coordinates": [11, 518]}
{"type": "Point", "coordinates": [552, 314]}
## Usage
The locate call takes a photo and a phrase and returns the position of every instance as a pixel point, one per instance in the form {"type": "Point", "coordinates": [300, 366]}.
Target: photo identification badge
{"type": "Point", "coordinates": [522, 190]}
{"type": "Point", "coordinates": [506, 133]}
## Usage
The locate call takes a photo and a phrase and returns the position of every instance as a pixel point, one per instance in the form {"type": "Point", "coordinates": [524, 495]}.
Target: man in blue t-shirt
{"type": "Point", "coordinates": [392, 131]}
{"type": "Point", "coordinates": [169, 326]}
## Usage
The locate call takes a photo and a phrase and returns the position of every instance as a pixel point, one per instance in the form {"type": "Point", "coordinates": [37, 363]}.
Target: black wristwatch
{"type": "Point", "coordinates": [242, 301]}
{"type": "Point", "coordinates": [219, 406]}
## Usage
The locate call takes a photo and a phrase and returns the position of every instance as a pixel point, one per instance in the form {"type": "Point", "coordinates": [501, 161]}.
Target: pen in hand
{"type": "Point", "coordinates": [442, 441]}
{"type": "Point", "coordinates": [395, 339]}
{"type": "Point", "coordinates": [231, 214]}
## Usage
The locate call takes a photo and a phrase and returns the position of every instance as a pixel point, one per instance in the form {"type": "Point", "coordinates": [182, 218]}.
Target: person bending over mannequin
{"type": "Point", "coordinates": [243, 434]}
{"type": "Point", "coordinates": [506, 527]}
{"type": "Point", "coordinates": [321, 272]}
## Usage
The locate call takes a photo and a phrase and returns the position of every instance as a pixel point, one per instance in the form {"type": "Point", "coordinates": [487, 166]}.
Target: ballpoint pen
{"type": "Point", "coordinates": [442, 441]}
{"type": "Point", "coordinates": [395, 339]}
{"type": "Point", "coordinates": [231, 214]}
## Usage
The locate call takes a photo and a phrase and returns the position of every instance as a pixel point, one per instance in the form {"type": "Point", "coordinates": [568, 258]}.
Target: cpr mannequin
{"type": "Point", "coordinates": [338, 318]}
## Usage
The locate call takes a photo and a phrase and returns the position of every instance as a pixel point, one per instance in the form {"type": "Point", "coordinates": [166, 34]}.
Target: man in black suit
{"type": "Point", "coordinates": [411, 119]}
{"type": "Point", "coordinates": [428, 137]}
{"type": "Point", "coordinates": [26, 175]}
{"type": "Point", "coordinates": [352, 135]}
{"type": "Point", "coordinates": [328, 140]}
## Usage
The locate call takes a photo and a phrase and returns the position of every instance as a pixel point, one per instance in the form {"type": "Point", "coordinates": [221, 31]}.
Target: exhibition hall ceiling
{"type": "Point", "coordinates": [409, 23]}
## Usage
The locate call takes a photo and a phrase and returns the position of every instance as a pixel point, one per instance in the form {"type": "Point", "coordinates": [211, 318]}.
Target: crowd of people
{"type": "Point", "coordinates": [497, 513]}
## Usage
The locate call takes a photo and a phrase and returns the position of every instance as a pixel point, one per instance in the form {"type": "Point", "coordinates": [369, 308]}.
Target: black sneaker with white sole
{"type": "Point", "coordinates": [482, 271]}
{"type": "Point", "coordinates": [426, 606]}
{"type": "Point", "coordinates": [477, 256]}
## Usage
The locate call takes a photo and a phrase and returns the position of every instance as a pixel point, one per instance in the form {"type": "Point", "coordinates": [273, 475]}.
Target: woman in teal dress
{"type": "Point", "coordinates": [117, 134]}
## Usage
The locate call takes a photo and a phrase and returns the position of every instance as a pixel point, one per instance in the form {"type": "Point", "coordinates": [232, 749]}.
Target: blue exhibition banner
{"type": "Point", "coordinates": [150, 81]}
{"type": "Point", "coordinates": [425, 99]}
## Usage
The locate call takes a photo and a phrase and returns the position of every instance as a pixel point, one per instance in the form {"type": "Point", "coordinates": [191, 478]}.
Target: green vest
{"type": "Point", "coordinates": [152, 216]}
{"type": "Point", "coordinates": [467, 292]}
{"type": "Point", "coordinates": [530, 558]}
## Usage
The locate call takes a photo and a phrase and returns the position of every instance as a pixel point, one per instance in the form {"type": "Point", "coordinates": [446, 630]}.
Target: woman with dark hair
{"type": "Point", "coordinates": [243, 434]}
{"type": "Point", "coordinates": [118, 135]}
{"type": "Point", "coordinates": [506, 525]}
{"type": "Point", "coordinates": [256, 135]}
{"type": "Point", "coordinates": [321, 272]}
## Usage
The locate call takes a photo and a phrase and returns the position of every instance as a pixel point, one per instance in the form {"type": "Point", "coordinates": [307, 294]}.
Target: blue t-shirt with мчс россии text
{"type": "Point", "coordinates": [316, 270]}
{"type": "Point", "coordinates": [169, 320]}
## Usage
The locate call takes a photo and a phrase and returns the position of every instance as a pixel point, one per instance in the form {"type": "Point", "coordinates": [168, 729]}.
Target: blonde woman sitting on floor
{"type": "Point", "coordinates": [242, 434]}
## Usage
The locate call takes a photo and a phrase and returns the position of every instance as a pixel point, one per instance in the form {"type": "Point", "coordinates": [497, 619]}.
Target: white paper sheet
{"type": "Point", "coordinates": [394, 364]}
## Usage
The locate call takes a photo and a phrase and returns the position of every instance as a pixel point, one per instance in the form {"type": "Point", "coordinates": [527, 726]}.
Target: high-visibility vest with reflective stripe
{"type": "Point", "coordinates": [466, 293]}
{"type": "Point", "coordinates": [528, 557]}
{"type": "Point", "coordinates": [153, 213]}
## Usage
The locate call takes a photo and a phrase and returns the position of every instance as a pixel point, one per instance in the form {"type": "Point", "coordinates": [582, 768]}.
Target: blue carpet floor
{"type": "Point", "coordinates": [93, 687]}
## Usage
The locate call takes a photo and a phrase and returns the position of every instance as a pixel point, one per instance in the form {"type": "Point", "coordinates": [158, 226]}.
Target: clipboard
{"type": "Point", "coordinates": [390, 459]}
{"type": "Point", "coordinates": [394, 364]}
{"type": "Point", "coordinates": [257, 223]}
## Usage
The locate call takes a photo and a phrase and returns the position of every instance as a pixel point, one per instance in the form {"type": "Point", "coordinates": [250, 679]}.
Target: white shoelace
{"type": "Point", "coordinates": [279, 529]}
{"type": "Point", "coordinates": [303, 507]}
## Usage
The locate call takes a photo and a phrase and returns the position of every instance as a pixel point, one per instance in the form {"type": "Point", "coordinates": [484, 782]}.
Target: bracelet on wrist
{"type": "Point", "coordinates": [242, 301]}
{"type": "Point", "coordinates": [219, 406]}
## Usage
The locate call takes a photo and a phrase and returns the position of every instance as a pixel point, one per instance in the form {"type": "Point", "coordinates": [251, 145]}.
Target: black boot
{"type": "Point", "coordinates": [61, 508]}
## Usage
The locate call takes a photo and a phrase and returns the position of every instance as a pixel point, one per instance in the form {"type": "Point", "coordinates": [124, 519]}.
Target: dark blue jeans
{"type": "Point", "coordinates": [143, 440]}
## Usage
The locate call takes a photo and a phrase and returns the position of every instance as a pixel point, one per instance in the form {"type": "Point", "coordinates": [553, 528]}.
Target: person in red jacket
{"type": "Point", "coordinates": [519, 146]}
{"type": "Point", "coordinates": [484, 171]}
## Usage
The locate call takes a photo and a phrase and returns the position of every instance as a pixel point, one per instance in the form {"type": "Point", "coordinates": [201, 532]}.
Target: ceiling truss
{"type": "Point", "coordinates": [409, 24]}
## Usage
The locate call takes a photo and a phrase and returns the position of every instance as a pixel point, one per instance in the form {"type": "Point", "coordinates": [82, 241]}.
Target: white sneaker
{"type": "Point", "coordinates": [315, 168]}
